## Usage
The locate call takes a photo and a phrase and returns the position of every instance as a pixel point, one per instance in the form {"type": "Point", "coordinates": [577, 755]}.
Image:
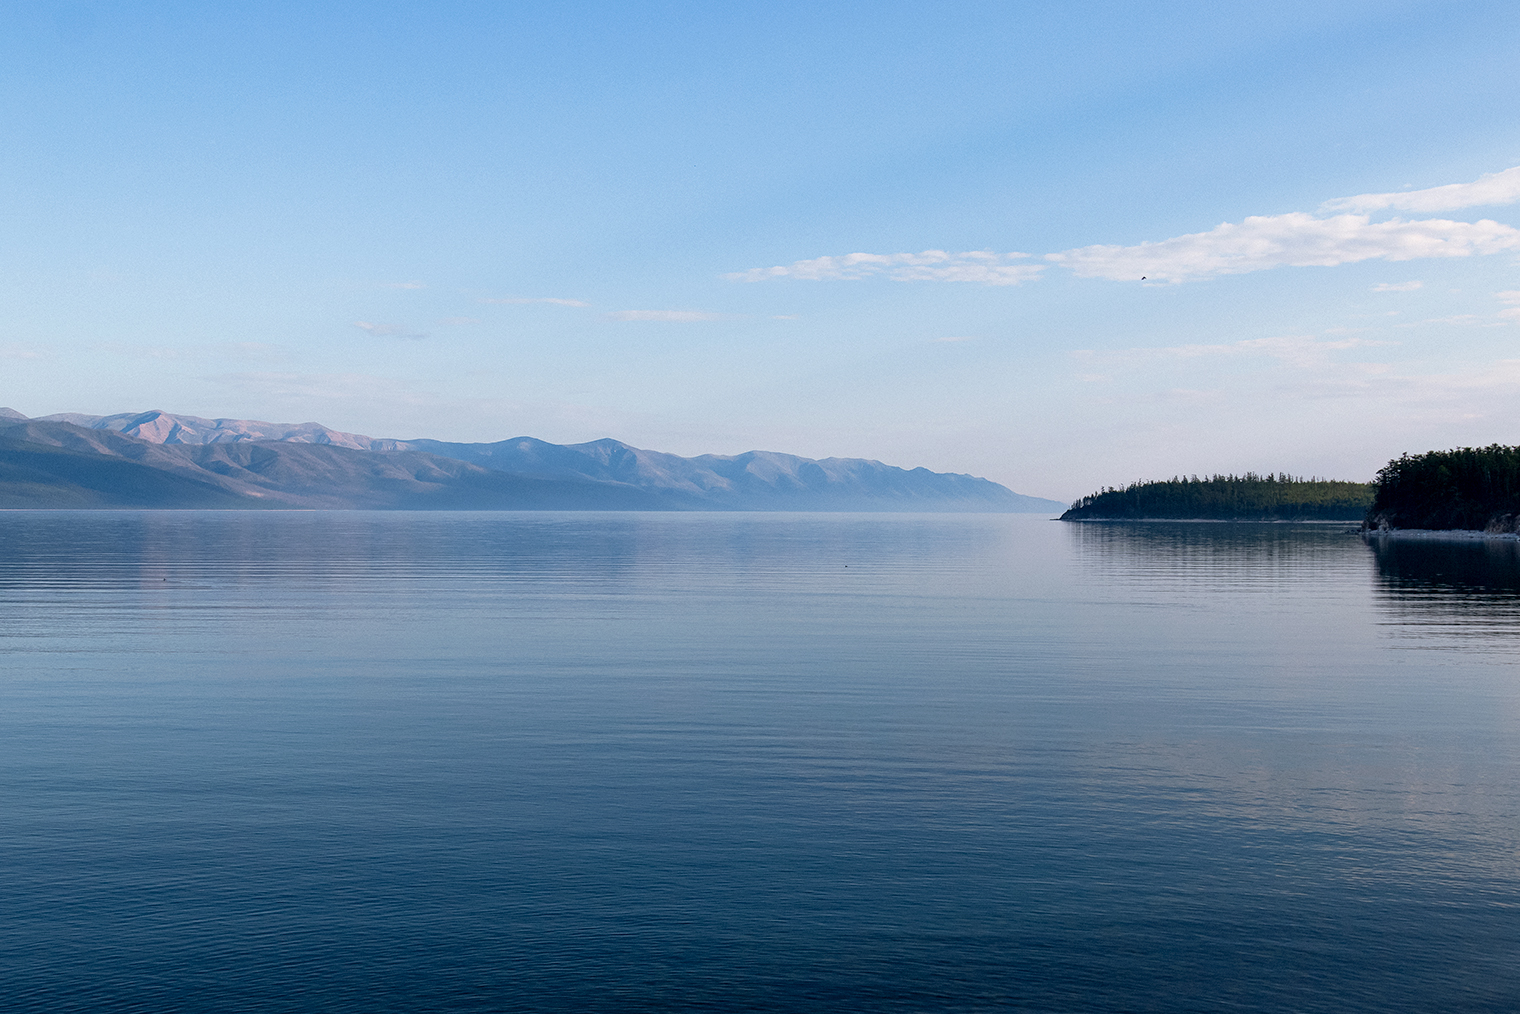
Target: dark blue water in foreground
{"type": "Point", "coordinates": [566, 762]}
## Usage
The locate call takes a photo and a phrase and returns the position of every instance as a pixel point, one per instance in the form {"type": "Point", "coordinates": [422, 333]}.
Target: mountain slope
{"type": "Point", "coordinates": [310, 465]}
{"type": "Point", "coordinates": [60, 465]}
{"type": "Point", "coordinates": [756, 480]}
{"type": "Point", "coordinates": [165, 428]}
{"type": "Point", "coordinates": [38, 475]}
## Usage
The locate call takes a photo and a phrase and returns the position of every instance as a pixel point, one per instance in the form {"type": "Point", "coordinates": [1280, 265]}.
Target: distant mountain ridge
{"type": "Point", "coordinates": [56, 464]}
{"type": "Point", "coordinates": [166, 428]}
{"type": "Point", "coordinates": [241, 462]}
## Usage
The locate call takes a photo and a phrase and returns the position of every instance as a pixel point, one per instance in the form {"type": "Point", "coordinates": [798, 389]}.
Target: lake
{"type": "Point", "coordinates": [753, 762]}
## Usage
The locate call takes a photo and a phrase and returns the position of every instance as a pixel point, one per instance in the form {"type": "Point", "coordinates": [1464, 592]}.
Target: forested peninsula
{"type": "Point", "coordinates": [1467, 489]}
{"type": "Point", "coordinates": [1248, 497]}
{"type": "Point", "coordinates": [1471, 489]}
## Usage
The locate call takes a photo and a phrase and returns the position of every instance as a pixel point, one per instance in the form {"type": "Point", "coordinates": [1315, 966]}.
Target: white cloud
{"type": "Point", "coordinates": [387, 330]}
{"type": "Point", "coordinates": [1296, 239]}
{"type": "Point", "coordinates": [1458, 320]}
{"type": "Point", "coordinates": [1258, 243]}
{"type": "Point", "coordinates": [19, 352]}
{"type": "Point", "coordinates": [521, 300]}
{"type": "Point", "coordinates": [1301, 351]}
{"type": "Point", "coordinates": [1512, 297]}
{"type": "Point", "coordinates": [981, 266]}
{"type": "Point", "coordinates": [1490, 188]}
{"type": "Point", "coordinates": [669, 316]}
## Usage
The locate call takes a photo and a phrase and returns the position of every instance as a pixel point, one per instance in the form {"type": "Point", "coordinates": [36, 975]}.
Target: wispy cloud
{"type": "Point", "coordinates": [405, 285]}
{"type": "Point", "coordinates": [669, 316]}
{"type": "Point", "coordinates": [138, 350]}
{"type": "Point", "coordinates": [246, 351]}
{"type": "Point", "coordinates": [982, 266]}
{"type": "Point", "coordinates": [388, 330]}
{"type": "Point", "coordinates": [1303, 351]}
{"type": "Point", "coordinates": [1257, 243]}
{"type": "Point", "coordinates": [1397, 286]}
{"type": "Point", "coordinates": [19, 352]}
{"type": "Point", "coordinates": [1490, 188]}
{"type": "Point", "coordinates": [523, 300]}
{"type": "Point", "coordinates": [1296, 239]}
{"type": "Point", "coordinates": [1455, 320]}
{"type": "Point", "coordinates": [1300, 351]}
{"type": "Point", "coordinates": [1511, 297]}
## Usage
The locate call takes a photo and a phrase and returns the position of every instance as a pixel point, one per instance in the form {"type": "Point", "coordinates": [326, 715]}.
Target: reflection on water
{"type": "Point", "coordinates": [118, 550]}
{"type": "Point", "coordinates": [460, 762]}
{"type": "Point", "coordinates": [1417, 566]}
{"type": "Point", "coordinates": [1451, 594]}
{"type": "Point", "coordinates": [1218, 555]}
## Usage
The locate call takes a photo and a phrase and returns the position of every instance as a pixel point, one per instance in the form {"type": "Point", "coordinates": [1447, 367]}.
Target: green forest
{"type": "Point", "coordinates": [1248, 497]}
{"type": "Point", "coordinates": [1472, 488]}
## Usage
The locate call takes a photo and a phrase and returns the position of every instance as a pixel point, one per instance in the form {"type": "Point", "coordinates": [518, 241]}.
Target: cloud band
{"type": "Point", "coordinates": [981, 266]}
{"type": "Point", "coordinates": [1294, 240]}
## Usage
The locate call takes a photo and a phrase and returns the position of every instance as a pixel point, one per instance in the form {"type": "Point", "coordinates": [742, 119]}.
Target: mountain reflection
{"type": "Point", "coordinates": [342, 550]}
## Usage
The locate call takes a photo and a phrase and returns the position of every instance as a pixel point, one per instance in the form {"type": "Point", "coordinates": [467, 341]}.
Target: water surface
{"type": "Point", "coordinates": [581, 762]}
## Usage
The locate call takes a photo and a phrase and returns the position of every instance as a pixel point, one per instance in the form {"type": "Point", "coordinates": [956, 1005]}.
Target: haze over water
{"type": "Point", "coordinates": [472, 762]}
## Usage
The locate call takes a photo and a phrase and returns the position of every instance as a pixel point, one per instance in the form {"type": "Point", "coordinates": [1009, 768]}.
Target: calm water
{"type": "Point", "coordinates": [475, 762]}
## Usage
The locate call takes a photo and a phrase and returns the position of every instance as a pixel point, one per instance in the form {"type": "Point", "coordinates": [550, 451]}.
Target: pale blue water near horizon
{"type": "Point", "coordinates": [611, 762]}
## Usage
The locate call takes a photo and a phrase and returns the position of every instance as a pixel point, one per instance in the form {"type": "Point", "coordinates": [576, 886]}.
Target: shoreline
{"type": "Point", "coordinates": [1444, 535]}
{"type": "Point", "coordinates": [1352, 527]}
{"type": "Point", "coordinates": [1212, 521]}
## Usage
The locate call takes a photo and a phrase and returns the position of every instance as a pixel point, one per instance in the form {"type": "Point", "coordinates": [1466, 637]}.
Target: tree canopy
{"type": "Point", "coordinates": [1471, 488]}
{"type": "Point", "coordinates": [1248, 497]}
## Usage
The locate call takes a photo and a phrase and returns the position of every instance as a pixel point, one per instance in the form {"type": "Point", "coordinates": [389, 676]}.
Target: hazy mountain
{"type": "Point", "coordinates": [308, 465]}
{"type": "Point", "coordinates": [165, 428]}
{"type": "Point", "coordinates": [756, 480]}
{"type": "Point", "coordinates": [42, 475]}
{"type": "Point", "coordinates": [57, 464]}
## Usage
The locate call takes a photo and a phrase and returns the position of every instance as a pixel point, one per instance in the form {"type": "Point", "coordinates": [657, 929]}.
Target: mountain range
{"type": "Point", "coordinates": [158, 459]}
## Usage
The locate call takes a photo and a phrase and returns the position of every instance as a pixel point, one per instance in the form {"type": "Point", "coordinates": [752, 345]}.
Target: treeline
{"type": "Point", "coordinates": [1248, 497]}
{"type": "Point", "coordinates": [1473, 488]}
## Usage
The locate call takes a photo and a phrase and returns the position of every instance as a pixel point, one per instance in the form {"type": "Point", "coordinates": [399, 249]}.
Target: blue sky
{"type": "Point", "coordinates": [473, 221]}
